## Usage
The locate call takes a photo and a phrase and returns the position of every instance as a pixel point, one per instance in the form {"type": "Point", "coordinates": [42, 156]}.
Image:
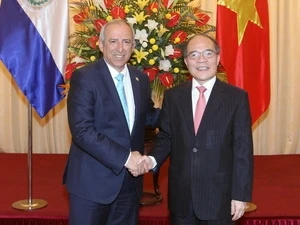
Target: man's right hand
{"type": "Point", "coordinates": [135, 166]}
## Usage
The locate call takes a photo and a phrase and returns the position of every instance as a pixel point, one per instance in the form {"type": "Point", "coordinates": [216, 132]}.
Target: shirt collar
{"type": "Point", "coordinates": [114, 72]}
{"type": "Point", "coordinates": [208, 85]}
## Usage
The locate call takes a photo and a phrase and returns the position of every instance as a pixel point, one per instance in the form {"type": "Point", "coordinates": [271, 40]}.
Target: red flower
{"type": "Point", "coordinates": [165, 4]}
{"type": "Point", "coordinates": [174, 20]}
{"type": "Point", "coordinates": [153, 7]}
{"type": "Point", "coordinates": [189, 77]}
{"type": "Point", "coordinates": [80, 17]}
{"type": "Point", "coordinates": [179, 36]}
{"type": "Point", "coordinates": [166, 79]}
{"type": "Point", "coordinates": [151, 72]}
{"type": "Point", "coordinates": [202, 19]}
{"type": "Point", "coordinates": [70, 69]}
{"type": "Point", "coordinates": [92, 41]}
{"type": "Point", "coordinates": [177, 54]}
{"type": "Point", "coordinates": [118, 12]}
{"type": "Point", "coordinates": [99, 23]}
{"type": "Point", "coordinates": [108, 3]}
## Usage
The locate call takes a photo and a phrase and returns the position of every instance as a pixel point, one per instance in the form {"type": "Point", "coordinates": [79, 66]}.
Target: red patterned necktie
{"type": "Point", "coordinates": [201, 103]}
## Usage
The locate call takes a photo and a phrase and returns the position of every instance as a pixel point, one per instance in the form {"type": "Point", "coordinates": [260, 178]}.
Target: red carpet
{"type": "Point", "coordinates": [276, 191]}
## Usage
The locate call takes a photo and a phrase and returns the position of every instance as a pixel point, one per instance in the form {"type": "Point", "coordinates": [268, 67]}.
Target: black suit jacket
{"type": "Point", "coordinates": [214, 166]}
{"type": "Point", "coordinates": [101, 140]}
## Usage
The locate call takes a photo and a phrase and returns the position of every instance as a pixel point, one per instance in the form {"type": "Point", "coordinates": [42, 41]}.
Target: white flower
{"type": "Point", "coordinates": [170, 2]}
{"type": "Point", "coordinates": [78, 59]}
{"type": "Point", "coordinates": [151, 24]}
{"type": "Point", "coordinates": [141, 35]}
{"type": "Point", "coordinates": [101, 3]}
{"type": "Point", "coordinates": [131, 20]}
{"type": "Point", "coordinates": [165, 65]}
{"type": "Point", "coordinates": [169, 50]}
{"type": "Point", "coordinates": [145, 44]}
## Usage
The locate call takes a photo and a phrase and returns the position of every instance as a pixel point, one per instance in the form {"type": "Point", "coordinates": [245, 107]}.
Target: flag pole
{"type": "Point", "coordinates": [29, 204]}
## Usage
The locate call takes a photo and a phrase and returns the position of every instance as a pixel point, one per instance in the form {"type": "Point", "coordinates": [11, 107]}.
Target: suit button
{"type": "Point", "coordinates": [195, 150]}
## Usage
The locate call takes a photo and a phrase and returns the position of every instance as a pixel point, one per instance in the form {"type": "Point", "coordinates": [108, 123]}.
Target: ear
{"type": "Point", "coordinates": [101, 46]}
{"type": "Point", "coordinates": [218, 59]}
{"type": "Point", "coordinates": [133, 44]}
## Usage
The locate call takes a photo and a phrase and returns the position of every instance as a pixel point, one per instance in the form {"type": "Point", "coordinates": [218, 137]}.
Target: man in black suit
{"type": "Point", "coordinates": [211, 167]}
{"type": "Point", "coordinates": [105, 143]}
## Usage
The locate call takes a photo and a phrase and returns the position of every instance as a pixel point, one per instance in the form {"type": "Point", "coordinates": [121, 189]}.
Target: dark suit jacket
{"type": "Point", "coordinates": [215, 166]}
{"type": "Point", "coordinates": [101, 140]}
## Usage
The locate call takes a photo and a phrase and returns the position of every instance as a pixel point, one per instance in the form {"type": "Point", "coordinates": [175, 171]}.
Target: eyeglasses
{"type": "Point", "coordinates": [195, 55]}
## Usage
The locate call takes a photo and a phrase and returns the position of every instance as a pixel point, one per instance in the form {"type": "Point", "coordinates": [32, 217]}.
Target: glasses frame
{"type": "Point", "coordinates": [204, 53]}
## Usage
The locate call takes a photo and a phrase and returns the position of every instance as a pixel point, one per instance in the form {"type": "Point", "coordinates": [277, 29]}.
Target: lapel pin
{"type": "Point", "coordinates": [137, 79]}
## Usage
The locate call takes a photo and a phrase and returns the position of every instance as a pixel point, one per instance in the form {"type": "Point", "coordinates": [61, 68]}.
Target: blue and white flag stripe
{"type": "Point", "coordinates": [33, 46]}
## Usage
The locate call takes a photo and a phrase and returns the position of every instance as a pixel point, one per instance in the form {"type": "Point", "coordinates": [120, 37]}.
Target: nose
{"type": "Point", "coordinates": [201, 57]}
{"type": "Point", "coordinates": [120, 46]}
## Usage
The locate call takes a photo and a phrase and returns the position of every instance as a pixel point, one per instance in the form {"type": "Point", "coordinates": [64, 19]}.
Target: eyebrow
{"type": "Point", "coordinates": [207, 49]}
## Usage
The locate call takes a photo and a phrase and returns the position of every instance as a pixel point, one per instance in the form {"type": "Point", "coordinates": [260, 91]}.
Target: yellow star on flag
{"type": "Point", "coordinates": [246, 11]}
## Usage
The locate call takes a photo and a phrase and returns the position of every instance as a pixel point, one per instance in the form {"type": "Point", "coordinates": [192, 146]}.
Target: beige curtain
{"type": "Point", "coordinates": [277, 132]}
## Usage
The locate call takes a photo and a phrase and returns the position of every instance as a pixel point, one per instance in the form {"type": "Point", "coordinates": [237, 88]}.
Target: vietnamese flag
{"type": "Point", "coordinates": [243, 34]}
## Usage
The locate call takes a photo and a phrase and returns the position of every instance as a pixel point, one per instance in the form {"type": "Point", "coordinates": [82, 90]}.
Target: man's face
{"type": "Point", "coordinates": [118, 45]}
{"type": "Point", "coordinates": [201, 60]}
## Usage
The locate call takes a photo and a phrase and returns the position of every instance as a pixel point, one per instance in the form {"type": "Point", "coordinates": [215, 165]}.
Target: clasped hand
{"type": "Point", "coordinates": [138, 164]}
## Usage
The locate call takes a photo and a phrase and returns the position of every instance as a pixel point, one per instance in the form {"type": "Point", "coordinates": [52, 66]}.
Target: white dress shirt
{"type": "Point", "coordinates": [128, 92]}
{"type": "Point", "coordinates": [195, 93]}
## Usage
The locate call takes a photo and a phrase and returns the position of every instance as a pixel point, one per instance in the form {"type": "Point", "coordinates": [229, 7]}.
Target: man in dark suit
{"type": "Point", "coordinates": [211, 167]}
{"type": "Point", "coordinates": [105, 143]}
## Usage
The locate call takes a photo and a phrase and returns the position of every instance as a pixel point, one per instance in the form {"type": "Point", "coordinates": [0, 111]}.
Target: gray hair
{"type": "Point", "coordinates": [115, 21]}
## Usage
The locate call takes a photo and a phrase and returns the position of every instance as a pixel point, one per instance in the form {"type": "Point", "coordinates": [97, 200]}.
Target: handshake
{"type": "Point", "coordinates": [139, 164]}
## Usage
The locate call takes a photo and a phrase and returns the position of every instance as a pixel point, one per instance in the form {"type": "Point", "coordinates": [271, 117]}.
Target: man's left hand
{"type": "Point", "coordinates": [237, 209]}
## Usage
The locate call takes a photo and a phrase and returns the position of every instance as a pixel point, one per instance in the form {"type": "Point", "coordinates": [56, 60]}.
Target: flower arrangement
{"type": "Point", "coordinates": [161, 30]}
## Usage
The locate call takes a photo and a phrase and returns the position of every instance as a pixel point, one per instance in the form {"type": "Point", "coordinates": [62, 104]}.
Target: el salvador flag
{"type": "Point", "coordinates": [33, 47]}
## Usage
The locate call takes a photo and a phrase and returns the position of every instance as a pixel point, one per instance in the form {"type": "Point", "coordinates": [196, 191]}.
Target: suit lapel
{"type": "Point", "coordinates": [136, 95]}
{"type": "Point", "coordinates": [109, 86]}
{"type": "Point", "coordinates": [185, 99]}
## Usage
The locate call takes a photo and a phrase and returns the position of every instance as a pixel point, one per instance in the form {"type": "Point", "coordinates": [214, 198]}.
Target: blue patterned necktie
{"type": "Point", "coordinates": [121, 92]}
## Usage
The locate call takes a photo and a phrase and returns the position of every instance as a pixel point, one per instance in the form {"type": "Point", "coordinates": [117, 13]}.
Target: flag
{"type": "Point", "coordinates": [243, 34]}
{"type": "Point", "coordinates": [33, 47]}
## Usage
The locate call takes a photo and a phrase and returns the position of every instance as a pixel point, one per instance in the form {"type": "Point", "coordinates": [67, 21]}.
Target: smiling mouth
{"type": "Point", "coordinates": [202, 68]}
{"type": "Point", "coordinates": [119, 55]}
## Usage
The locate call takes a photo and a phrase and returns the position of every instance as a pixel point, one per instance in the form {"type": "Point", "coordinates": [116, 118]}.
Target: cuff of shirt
{"type": "Point", "coordinates": [154, 163]}
{"type": "Point", "coordinates": [127, 159]}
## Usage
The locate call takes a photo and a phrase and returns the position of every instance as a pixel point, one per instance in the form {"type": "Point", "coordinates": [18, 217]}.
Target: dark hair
{"type": "Point", "coordinates": [216, 44]}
